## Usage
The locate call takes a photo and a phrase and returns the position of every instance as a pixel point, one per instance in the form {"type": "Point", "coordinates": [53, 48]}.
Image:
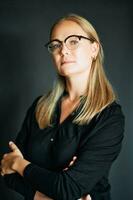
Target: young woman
{"type": "Point", "coordinates": [71, 136]}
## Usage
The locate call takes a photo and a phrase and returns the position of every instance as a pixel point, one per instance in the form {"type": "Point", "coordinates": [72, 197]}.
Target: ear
{"type": "Point", "coordinates": [94, 49]}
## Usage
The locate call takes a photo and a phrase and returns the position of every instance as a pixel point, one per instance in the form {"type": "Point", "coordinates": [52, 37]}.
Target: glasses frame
{"type": "Point", "coordinates": [64, 41]}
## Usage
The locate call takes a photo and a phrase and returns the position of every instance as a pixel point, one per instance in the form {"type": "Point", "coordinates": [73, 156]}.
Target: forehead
{"type": "Point", "coordinates": [66, 28]}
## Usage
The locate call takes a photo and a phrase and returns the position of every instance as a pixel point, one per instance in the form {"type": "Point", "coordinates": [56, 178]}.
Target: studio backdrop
{"type": "Point", "coordinates": [26, 70]}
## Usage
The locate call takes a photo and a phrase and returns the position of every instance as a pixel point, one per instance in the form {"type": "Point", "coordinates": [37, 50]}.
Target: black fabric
{"type": "Point", "coordinates": [50, 150]}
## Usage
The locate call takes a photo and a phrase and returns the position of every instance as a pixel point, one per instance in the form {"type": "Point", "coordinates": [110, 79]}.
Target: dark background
{"type": "Point", "coordinates": [26, 70]}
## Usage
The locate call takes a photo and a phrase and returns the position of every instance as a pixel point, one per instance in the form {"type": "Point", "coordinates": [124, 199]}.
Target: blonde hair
{"type": "Point", "coordinates": [99, 92]}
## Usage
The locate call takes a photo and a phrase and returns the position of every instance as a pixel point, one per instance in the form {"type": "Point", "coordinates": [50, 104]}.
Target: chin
{"type": "Point", "coordinates": [68, 73]}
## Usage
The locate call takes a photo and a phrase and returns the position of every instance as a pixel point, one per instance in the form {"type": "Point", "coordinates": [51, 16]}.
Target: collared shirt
{"type": "Point", "coordinates": [50, 150]}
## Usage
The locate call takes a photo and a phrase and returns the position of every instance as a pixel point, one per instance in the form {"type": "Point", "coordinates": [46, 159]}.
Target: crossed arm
{"type": "Point", "coordinates": [94, 161]}
{"type": "Point", "coordinates": [14, 162]}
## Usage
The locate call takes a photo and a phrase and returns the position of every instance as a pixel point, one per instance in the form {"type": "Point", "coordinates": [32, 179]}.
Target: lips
{"type": "Point", "coordinates": [67, 62]}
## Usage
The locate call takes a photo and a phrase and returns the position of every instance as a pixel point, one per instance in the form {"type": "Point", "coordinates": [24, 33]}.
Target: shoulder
{"type": "Point", "coordinates": [108, 116]}
{"type": "Point", "coordinates": [31, 109]}
{"type": "Point", "coordinates": [35, 102]}
{"type": "Point", "coordinates": [106, 129]}
{"type": "Point", "coordinates": [111, 121]}
{"type": "Point", "coordinates": [112, 110]}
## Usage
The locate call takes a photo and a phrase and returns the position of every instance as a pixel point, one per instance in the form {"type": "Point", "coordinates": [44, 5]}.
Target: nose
{"type": "Point", "coordinates": [64, 49]}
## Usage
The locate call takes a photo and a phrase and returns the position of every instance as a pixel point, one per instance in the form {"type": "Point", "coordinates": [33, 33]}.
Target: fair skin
{"type": "Point", "coordinates": [75, 66]}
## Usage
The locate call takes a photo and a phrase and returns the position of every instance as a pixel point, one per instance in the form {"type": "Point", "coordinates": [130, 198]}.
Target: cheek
{"type": "Point", "coordinates": [84, 57]}
{"type": "Point", "coordinates": [55, 61]}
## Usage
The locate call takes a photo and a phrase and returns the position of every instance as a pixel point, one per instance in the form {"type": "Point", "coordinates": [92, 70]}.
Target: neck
{"type": "Point", "coordinates": [76, 87]}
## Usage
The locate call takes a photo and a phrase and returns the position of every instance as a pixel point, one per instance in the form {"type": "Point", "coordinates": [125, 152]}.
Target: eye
{"type": "Point", "coordinates": [54, 46]}
{"type": "Point", "coordinates": [73, 41]}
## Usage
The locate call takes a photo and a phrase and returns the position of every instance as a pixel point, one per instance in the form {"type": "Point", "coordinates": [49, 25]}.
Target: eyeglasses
{"type": "Point", "coordinates": [72, 42]}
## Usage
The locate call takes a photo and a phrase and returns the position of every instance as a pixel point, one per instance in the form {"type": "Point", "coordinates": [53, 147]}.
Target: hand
{"type": "Point", "coordinates": [9, 159]}
{"type": "Point", "coordinates": [9, 171]}
{"type": "Point", "coordinates": [41, 196]}
{"type": "Point", "coordinates": [71, 163]}
{"type": "Point", "coordinates": [87, 197]}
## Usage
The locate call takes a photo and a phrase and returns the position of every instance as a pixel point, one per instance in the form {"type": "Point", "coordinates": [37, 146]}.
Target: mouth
{"type": "Point", "coordinates": [67, 62]}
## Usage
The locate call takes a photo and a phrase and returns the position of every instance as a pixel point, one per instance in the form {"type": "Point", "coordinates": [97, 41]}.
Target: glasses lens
{"type": "Point", "coordinates": [72, 42]}
{"type": "Point", "coordinates": [54, 47]}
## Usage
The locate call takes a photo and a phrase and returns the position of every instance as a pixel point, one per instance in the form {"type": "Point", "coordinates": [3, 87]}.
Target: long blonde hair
{"type": "Point", "coordinates": [99, 92]}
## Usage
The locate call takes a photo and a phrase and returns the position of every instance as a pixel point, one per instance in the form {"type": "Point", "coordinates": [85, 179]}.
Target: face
{"type": "Point", "coordinates": [77, 61]}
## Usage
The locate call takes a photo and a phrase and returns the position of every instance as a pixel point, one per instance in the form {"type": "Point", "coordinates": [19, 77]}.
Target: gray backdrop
{"type": "Point", "coordinates": [26, 70]}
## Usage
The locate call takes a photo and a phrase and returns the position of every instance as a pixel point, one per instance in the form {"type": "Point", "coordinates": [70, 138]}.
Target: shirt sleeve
{"type": "Point", "coordinates": [15, 181]}
{"type": "Point", "coordinates": [94, 159]}
{"type": "Point", "coordinates": [20, 185]}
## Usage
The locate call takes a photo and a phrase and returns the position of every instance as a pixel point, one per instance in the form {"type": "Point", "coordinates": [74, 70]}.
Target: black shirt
{"type": "Point", "coordinates": [96, 145]}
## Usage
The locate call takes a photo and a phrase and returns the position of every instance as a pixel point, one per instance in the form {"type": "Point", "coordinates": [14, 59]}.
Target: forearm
{"type": "Point", "coordinates": [19, 184]}
{"type": "Point", "coordinates": [56, 185]}
{"type": "Point", "coordinates": [20, 166]}
{"type": "Point", "coordinates": [15, 180]}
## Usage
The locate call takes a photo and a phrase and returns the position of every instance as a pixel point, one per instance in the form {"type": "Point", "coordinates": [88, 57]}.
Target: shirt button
{"type": "Point", "coordinates": [51, 139]}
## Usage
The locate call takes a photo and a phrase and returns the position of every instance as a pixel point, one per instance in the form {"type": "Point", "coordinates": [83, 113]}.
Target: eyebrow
{"type": "Point", "coordinates": [55, 40]}
{"type": "Point", "coordinates": [82, 36]}
{"type": "Point", "coordinates": [66, 38]}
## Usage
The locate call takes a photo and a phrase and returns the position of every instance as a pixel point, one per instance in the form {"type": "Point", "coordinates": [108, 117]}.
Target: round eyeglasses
{"type": "Point", "coordinates": [72, 42]}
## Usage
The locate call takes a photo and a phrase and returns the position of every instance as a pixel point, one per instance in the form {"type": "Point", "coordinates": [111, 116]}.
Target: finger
{"type": "Point", "coordinates": [2, 174]}
{"type": "Point", "coordinates": [7, 156]}
{"type": "Point", "coordinates": [65, 169]}
{"type": "Point", "coordinates": [87, 197]}
{"type": "Point", "coordinates": [74, 158]}
{"type": "Point", "coordinates": [4, 155]}
{"type": "Point", "coordinates": [71, 163]}
{"type": "Point", "coordinates": [13, 146]}
{"type": "Point", "coordinates": [0, 168]}
{"type": "Point", "coordinates": [1, 171]}
{"type": "Point", "coordinates": [2, 162]}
